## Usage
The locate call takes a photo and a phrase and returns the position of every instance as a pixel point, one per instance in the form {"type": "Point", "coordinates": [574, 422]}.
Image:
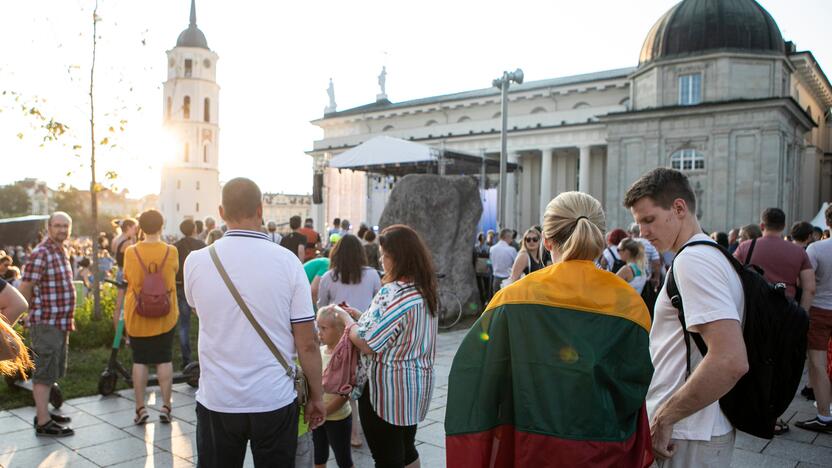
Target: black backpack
{"type": "Point", "coordinates": [774, 330]}
{"type": "Point", "coordinates": [617, 263]}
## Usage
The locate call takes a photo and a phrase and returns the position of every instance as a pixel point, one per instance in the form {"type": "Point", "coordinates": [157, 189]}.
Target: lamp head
{"type": "Point", "coordinates": [517, 76]}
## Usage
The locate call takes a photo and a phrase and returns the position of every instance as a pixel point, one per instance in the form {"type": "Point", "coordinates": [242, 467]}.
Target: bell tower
{"type": "Point", "coordinates": [190, 178]}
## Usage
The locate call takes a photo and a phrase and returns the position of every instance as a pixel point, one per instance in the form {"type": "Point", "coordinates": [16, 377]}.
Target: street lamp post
{"type": "Point", "coordinates": [503, 84]}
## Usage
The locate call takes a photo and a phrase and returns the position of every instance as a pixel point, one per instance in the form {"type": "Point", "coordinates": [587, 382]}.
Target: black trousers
{"type": "Point", "coordinates": [392, 446]}
{"type": "Point", "coordinates": [221, 438]}
{"type": "Point", "coordinates": [335, 434]}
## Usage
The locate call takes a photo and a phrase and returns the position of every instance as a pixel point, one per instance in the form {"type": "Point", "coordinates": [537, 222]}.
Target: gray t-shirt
{"type": "Point", "coordinates": [820, 254]}
{"type": "Point", "coordinates": [359, 296]}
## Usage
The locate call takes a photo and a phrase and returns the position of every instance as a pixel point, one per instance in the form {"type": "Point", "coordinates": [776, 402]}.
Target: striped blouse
{"type": "Point", "coordinates": [401, 331]}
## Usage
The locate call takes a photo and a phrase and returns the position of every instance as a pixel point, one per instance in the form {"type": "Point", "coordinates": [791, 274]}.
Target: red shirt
{"type": "Point", "coordinates": [780, 260]}
{"type": "Point", "coordinates": [53, 298]}
{"type": "Point", "coordinates": [312, 238]}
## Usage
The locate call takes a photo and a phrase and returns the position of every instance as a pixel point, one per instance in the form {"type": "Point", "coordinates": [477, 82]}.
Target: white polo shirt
{"type": "Point", "coordinates": [238, 373]}
{"type": "Point", "coordinates": [502, 259]}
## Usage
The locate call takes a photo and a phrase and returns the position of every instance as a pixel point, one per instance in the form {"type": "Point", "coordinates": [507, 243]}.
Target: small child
{"type": "Point", "coordinates": [336, 430]}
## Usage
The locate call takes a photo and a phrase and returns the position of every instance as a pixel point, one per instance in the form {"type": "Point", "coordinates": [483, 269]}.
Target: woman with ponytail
{"type": "Point", "coordinates": [558, 365]}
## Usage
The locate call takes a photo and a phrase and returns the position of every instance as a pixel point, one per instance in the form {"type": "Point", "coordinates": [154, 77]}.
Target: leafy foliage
{"type": "Point", "coordinates": [14, 201]}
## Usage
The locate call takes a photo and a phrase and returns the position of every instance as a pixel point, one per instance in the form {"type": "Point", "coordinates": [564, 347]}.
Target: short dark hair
{"type": "Point", "coordinates": [240, 199]}
{"type": "Point", "coordinates": [828, 214]}
{"type": "Point", "coordinates": [506, 232]}
{"type": "Point", "coordinates": [294, 222]}
{"type": "Point", "coordinates": [187, 227]}
{"type": "Point", "coordinates": [801, 231]}
{"type": "Point", "coordinates": [151, 221]}
{"type": "Point", "coordinates": [370, 235]}
{"type": "Point", "coordinates": [773, 219]}
{"type": "Point", "coordinates": [336, 222]}
{"type": "Point", "coordinates": [663, 186]}
{"type": "Point", "coordinates": [308, 222]}
{"type": "Point", "coordinates": [199, 226]}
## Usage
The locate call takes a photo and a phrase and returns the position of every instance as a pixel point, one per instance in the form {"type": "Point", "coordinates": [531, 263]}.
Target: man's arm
{"type": "Point", "coordinates": [27, 289]}
{"type": "Point", "coordinates": [316, 283]}
{"type": "Point", "coordinates": [309, 354]}
{"type": "Point", "coordinates": [301, 252]}
{"type": "Point", "coordinates": [807, 283]}
{"type": "Point", "coordinates": [725, 363]}
{"type": "Point", "coordinates": [12, 304]}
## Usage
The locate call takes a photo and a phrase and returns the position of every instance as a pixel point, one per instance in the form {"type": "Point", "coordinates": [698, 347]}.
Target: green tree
{"type": "Point", "coordinates": [14, 201]}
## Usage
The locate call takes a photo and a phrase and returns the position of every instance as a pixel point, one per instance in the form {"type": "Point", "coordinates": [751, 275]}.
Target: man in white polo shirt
{"type": "Point", "coordinates": [687, 426]}
{"type": "Point", "coordinates": [502, 256]}
{"type": "Point", "coordinates": [244, 393]}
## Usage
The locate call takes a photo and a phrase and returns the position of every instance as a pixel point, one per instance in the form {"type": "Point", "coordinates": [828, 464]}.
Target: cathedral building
{"type": "Point", "coordinates": [190, 186]}
{"type": "Point", "coordinates": [717, 93]}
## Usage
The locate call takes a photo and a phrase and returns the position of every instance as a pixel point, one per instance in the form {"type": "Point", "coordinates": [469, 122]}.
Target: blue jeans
{"type": "Point", "coordinates": [184, 326]}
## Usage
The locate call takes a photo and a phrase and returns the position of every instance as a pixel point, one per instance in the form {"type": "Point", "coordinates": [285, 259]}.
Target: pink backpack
{"type": "Point", "coordinates": [339, 375]}
{"type": "Point", "coordinates": [153, 300]}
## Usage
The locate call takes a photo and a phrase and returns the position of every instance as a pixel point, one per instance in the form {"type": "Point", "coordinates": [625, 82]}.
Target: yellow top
{"type": "Point", "coordinates": [577, 285]}
{"type": "Point", "coordinates": [152, 253]}
{"type": "Point", "coordinates": [345, 410]}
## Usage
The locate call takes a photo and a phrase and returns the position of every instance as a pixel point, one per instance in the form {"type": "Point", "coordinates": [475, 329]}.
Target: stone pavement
{"type": "Point", "coordinates": [105, 434]}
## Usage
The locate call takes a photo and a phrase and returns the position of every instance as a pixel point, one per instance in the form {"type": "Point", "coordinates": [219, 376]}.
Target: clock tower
{"type": "Point", "coordinates": [190, 178]}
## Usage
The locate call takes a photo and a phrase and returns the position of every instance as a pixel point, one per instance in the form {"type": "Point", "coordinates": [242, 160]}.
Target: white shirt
{"type": "Point", "coordinates": [820, 254]}
{"type": "Point", "coordinates": [274, 237]}
{"type": "Point", "coordinates": [711, 291]}
{"type": "Point", "coordinates": [610, 255]}
{"type": "Point", "coordinates": [502, 259]}
{"type": "Point", "coordinates": [650, 253]}
{"type": "Point", "coordinates": [238, 373]}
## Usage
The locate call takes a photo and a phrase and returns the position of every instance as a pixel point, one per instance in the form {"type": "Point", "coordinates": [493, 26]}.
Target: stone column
{"type": "Point", "coordinates": [584, 170]}
{"type": "Point", "coordinates": [546, 156]}
{"type": "Point", "coordinates": [512, 181]}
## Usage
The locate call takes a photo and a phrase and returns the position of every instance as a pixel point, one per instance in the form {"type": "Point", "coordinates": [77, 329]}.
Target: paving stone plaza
{"type": "Point", "coordinates": [105, 434]}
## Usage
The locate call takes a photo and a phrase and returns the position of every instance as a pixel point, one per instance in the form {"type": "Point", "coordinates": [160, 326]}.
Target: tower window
{"type": "Point", "coordinates": [189, 68]}
{"type": "Point", "coordinates": [197, 207]}
{"type": "Point", "coordinates": [178, 184]}
{"type": "Point", "coordinates": [197, 187]}
{"type": "Point", "coordinates": [186, 108]}
{"type": "Point", "coordinates": [169, 107]}
{"type": "Point", "coordinates": [687, 160]}
{"type": "Point", "coordinates": [177, 207]}
{"type": "Point", "coordinates": [690, 89]}
{"type": "Point", "coordinates": [187, 153]}
{"type": "Point", "coordinates": [206, 110]}
{"type": "Point", "coordinates": [205, 153]}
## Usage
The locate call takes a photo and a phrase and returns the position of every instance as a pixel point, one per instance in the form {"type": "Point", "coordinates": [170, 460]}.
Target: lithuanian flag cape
{"type": "Point", "coordinates": [554, 373]}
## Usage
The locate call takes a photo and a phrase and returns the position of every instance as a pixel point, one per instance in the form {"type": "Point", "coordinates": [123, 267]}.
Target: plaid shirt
{"type": "Point", "coordinates": [53, 299]}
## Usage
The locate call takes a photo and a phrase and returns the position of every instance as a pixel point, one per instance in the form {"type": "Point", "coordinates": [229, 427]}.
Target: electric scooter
{"type": "Point", "coordinates": [19, 381]}
{"type": "Point", "coordinates": [109, 377]}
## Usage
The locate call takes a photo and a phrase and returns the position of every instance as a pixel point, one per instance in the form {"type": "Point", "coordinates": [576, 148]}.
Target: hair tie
{"type": "Point", "coordinates": [580, 218]}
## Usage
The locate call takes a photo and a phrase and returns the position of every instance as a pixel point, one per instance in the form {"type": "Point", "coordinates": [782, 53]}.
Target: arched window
{"type": "Point", "coordinates": [464, 118]}
{"type": "Point", "coordinates": [205, 154]}
{"type": "Point", "coordinates": [539, 110]}
{"type": "Point", "coordinates": [186, 108]}
{"type": "Point", "coordinates": [431, 122]}
{"type": "Point", "coordinates": [187, 156]}
{"type": "Point", "coordinates": [206, 110]}
{"type": "Point", "coordinates": [687, 159]}
{"type": "Point", "coordinates": [169, 107]}
{"type": "Point", "coordinates": [581, 105]}
{"type": "Point", "coordinates": [387, 128]}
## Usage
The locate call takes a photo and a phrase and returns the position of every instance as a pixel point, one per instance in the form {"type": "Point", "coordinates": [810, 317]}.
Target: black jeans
{"type": "Point", "coordinates": [392, 446]}
{"type": "Point", "coordinates": [335, 434]}
{"type": "Point", "coordinates": [221, 438]}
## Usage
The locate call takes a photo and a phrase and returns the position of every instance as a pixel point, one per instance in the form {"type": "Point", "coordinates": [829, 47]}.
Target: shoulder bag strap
{"type": "Point", "coordinates": [233, 290]}
{"type": "Point", "coordinates": [750, 251]}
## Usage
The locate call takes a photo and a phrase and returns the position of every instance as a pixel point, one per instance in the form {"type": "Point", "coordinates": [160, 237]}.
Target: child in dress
{"type": "Point", "coordinates": [335, 432]}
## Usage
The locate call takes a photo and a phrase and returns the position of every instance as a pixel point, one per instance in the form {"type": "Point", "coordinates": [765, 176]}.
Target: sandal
{"type": "Point", "coordinates": [141, 416]}
{"type": "Point", "coordinates": [53, 429]}
{"type": "Point", "coordinates": [781, 427]}
{"type": "Point", "coordinates": [164, 416]}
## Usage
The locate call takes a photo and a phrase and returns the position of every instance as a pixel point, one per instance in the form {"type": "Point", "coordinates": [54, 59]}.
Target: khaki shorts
{"type": "Point", "coordinates": [714, 453]}
{"type": "Point", "coordinates": [49, 347]}
{"type": "Point", "coordinates": [820, 328]}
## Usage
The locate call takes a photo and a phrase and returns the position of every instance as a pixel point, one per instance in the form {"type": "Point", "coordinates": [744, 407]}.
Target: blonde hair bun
{"type": "Point", "coordinates": [575, 222]}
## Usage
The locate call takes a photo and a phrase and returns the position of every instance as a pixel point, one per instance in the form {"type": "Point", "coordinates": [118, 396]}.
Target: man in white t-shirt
{"type": "Point", "coordinates": [687, 425]}
{"type": "Point", "coordinates": [244, 393]}
{"type": "Point", "coordinates": [502, 256]}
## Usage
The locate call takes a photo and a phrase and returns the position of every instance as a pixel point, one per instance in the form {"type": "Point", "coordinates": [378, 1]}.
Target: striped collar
{"type": "Point", "coordinates": [245, 233]}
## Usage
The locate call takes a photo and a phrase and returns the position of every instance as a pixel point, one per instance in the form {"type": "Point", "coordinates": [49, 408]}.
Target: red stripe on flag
{"type": "Point", "coordinates": [504, 447]}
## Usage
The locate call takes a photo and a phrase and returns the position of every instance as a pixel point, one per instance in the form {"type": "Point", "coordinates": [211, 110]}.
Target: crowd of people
{"type": "Point", "coordinates": [303, 339]}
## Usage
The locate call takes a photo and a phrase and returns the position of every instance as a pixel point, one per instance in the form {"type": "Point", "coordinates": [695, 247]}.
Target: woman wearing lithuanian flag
{"type": "Point", "coordinates": [555, 371]}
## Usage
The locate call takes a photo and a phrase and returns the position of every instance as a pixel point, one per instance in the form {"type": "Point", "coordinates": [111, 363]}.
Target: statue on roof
{"type": "Point", "coordinates": [330, 91]}
{"type": "Point", "coordinates": [382, 82]}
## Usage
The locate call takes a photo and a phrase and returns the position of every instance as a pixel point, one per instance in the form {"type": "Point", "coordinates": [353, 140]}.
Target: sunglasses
{"type": "Point", "coordinates": [532, 239]}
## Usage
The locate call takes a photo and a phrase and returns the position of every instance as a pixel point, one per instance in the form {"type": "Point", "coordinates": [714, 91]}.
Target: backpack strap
{"type": "Point", "coordinates": [676, 297]}
{"type": "Point", "coordinates": [141, 262]}
{"type": "Point", "coordinates": [750, 251]}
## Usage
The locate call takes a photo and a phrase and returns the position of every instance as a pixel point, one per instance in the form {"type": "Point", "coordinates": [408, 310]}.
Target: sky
{"type": "Point", "coordinates": [275, 62]}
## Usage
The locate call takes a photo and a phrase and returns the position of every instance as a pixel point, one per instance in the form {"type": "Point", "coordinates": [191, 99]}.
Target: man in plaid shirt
{"type": "Point", "coordinates": [47, 286]}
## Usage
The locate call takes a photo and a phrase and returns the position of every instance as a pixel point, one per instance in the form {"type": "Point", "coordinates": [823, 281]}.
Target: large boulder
{"type": "Point", "coordinates": [445, 211]}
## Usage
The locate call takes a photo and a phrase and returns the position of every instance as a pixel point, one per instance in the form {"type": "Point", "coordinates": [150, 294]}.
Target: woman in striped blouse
{"type": "Point", "coordinates": [397, 338]}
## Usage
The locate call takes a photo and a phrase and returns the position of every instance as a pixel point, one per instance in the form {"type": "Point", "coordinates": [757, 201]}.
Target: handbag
{"type": "Point", "coordinates": [297, 375]}
{"type": "Point", "coordinates": [338, 377]}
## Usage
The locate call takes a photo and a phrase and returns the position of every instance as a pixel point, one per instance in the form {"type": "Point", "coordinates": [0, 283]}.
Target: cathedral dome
{"type": "Point", "coordinates": [698, 26]}
{"type": "Point", "coordinates": [192, 37]}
